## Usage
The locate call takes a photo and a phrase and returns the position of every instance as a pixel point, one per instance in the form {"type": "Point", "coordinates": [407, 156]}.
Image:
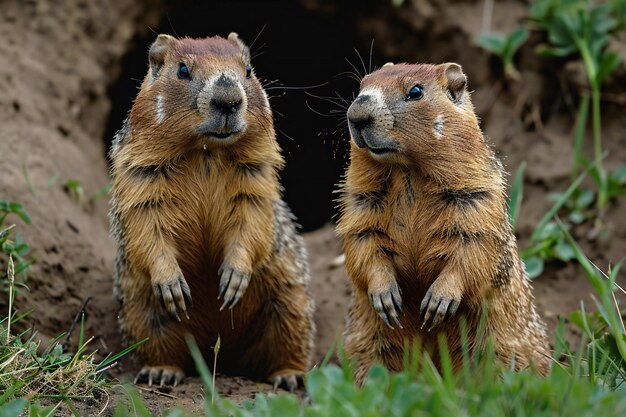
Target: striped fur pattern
{"type": "Point", "coordinates": [425, 229]}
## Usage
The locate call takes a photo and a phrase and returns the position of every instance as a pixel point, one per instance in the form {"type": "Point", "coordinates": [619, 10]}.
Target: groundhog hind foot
{"type": "Point", "coordinates": [161, 375]}
{"type": "Point", "coordinates": [288, 379]}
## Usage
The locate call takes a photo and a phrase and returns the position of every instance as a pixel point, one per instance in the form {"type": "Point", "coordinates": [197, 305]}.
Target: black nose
{"type": "Point", "coordinates": [226, 106]}
{"type": "Point", "coordinates": [227, 97]}
{"type": "Point", "coordinates": [359, 113]}
{"type": "Point", "coordinates": [361, 122]}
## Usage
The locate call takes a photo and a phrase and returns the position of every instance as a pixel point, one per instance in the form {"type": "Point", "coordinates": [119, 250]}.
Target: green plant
{"type": "Point", "coordinates": [102, 192]}
{"type": "Point", "coordinates": [14, 247]}
{"type": "Point", "coordinates": [505, 48]}
{"type": "Point", "coordinates": [74, 188]}
{"type": "Point", "coordinates": [53, 374]}
{"type": "Point", "coordinates": [618, 9]}
{"type": "Point", "coordinates": [579, 205]}
{"type": "Point", "coordinates": [549, 244]}
{"type": "Point", "coordinates": [606, 352]}
{"type": "Point", "coordinates": [483, 387]}
{"type": "Point", "coordinates": [583, 28]}
{"type": "Point", "coordinates": [546, 242]}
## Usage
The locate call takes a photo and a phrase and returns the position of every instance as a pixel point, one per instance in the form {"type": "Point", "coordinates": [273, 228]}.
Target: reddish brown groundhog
{"type": "Point", "coordinates": [197, 212]}
{"type": "Point", "coordinates": [425, 227]}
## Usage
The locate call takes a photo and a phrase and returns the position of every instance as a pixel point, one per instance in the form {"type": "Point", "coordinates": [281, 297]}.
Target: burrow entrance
{"type": "Point", "coordinates": [299, 45]}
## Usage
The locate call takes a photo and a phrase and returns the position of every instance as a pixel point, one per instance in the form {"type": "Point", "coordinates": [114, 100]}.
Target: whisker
{"type": "Point", "coordinates": [285, 135]}
{"type": "Point", "coordinates": [317, 112]}
{"type": "Point", "coordinates": [152, 30]}
{"type": "Point", "coordinates": [362, 63]}
{"type": "Point", "coordinates": [360, 77]}
{"type": "Point", "coordinates": [257, 36]}
{"type": "Point", "coordinates": [171, 25]}
{"type": "Point", "coordinates": [329, 100]}
{"type": "Point", "coordinates": [257, 54]}
{"type": "Point", "coordinates": [342, 99]}
{"type": "Point", "coordinates": [305, 87]}
{"type": "Point", "coordinates": [371, 50]}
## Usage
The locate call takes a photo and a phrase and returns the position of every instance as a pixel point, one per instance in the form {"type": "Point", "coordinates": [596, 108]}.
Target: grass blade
{"type": "Point", "coordinates": [560, 202]}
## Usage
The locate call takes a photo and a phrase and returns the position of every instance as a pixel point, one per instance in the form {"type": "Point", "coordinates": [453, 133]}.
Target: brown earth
{"type": "Point", "coordinates": [58, 61]}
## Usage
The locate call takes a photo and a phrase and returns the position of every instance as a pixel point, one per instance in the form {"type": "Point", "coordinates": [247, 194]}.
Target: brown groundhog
{"type": "Point", "coordinates": [197, 211]}
{"type": "Point", "coordinates": [425, 228]}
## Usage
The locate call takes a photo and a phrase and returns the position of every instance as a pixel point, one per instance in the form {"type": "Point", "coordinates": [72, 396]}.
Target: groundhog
{"type": "Point", "coordinates": [426, 233]}
{"type": "Point", "coordinates": [197, 212]}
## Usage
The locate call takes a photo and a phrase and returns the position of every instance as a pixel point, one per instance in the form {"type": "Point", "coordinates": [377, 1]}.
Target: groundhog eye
{"type": "Point", "coordinates": [183, 71]}
{"type": "Point", "coordinates": [415, 93]}
{"type": "Point", "coordinates": [248, 71]}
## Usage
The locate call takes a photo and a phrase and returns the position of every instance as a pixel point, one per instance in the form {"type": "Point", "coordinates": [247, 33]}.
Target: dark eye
{"type": "Point", "coordinates": [183, 71]}
{"type": "Point", "coordinates": [248, 71]}
{"type": "Point", "coordinates": [415, 93]}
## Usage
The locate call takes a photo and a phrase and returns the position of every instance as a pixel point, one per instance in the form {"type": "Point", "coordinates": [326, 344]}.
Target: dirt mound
{"type": "Point", "coordinates": [57, 62]}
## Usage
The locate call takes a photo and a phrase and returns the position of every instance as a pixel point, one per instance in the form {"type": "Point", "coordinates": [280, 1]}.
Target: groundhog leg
{"type": "Point", "coordinates": [358, 346]}
{"type": "Point", "coordinates": [284, 337]}
{"type": "Point", "coordinates": [165, 355]}
{"type": "Point", "coordinates": [366, 339]}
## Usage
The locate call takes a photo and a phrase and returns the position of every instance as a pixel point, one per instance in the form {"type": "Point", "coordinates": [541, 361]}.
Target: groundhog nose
{"type": "Point", "coordinates": [226, 106]}
{"type": "Point", "coordinates": [359, 113]}
{"type": "Point", "coordinates": [227, 96]}
{"type": "Point", "coordinates": [224, 82]}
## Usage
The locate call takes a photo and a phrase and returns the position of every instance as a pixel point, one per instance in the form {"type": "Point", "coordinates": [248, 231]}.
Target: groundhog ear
{"type": "Point", "coordinates": [456, 81]}
{"type": "Point", "coordinates": [158, 50]}
{"type": "Point", "coordinates": [388, 64]}
{"type": "Point", "coordinates": [234, 38]}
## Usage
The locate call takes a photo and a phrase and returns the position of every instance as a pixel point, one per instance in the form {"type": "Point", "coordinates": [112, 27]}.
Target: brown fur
{"type": "Point", "coordinates": [186, 206]}
{"type": "Point", "coordinates": [431, 215]}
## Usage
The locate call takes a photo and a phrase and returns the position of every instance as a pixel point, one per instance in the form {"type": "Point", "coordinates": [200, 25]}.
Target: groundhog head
{"type": "Point", "coordinates": [200, 91]}
{"type": "Point", "coordinates": [414, 114]}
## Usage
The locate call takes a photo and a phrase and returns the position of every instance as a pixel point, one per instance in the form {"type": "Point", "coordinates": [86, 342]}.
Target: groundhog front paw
{"type": "Point", "coordinates": [437, 307]}
{"type": "Point", "coordinates": [173, 294]}
{"type": "Point", "coordinates": [287, 380]}
{"type": "Point", "coordinates": [162, 375]}
{"type": "Point", "coordinates": [388, 303]}
{"type": "Point", "coordinates": [233, 284]}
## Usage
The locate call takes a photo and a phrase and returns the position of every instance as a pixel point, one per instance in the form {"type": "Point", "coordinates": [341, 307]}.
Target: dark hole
{"type": "Point", "coordinates": [298, 48]}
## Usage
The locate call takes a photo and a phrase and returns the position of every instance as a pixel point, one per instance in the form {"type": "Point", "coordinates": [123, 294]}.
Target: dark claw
{"type": "Point", "coordinates": [434, 310]}
{"type": "Point", "coordinates": [454, 306]}
{"type": "Point", "coordinates": [178, 378]}
{"type": "Point", "coordinates": [154, 375]}
{"type": "Point", "coordinates": [424, 305]}
{"type": "Point", "coordinates": [159, 375]}
{"type": "Point", "coordinates": [288, 382]}
{"type": "Point", "coordinates": [142, 375]}
{"type": "Point", "coordinates": [388, 304]}
{"type": "Point", "coordinates": [173, 295]}
{"type": "Point", "coordinates": [225, 274]}
{"type": "Point", "coordinates": [167, 377]}
{"type": "Point", "coordinates": [233, 284]}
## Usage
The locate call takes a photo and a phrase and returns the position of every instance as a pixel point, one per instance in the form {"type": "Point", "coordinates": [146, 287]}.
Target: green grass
{"type": "Point", "coordinates": [12, 244]}
{"type": "Point", "coordinates": [28, 372]}
{"type": "Point", "coordinates": [505, 47]}
{"type": "Point", "coordinates": [583, 28]}
{"type": "Point", "coordinates": [587, 381]}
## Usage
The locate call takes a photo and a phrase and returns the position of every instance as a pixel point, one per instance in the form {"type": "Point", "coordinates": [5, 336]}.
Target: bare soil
{"type": "Point", "coordinates": [58, 61]}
